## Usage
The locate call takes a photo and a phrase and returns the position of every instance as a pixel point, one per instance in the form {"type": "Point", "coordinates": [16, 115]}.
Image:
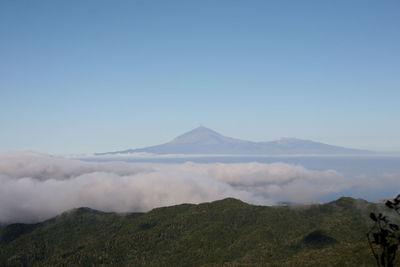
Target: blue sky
{"type": "Point", "coordinates": [94, 76]}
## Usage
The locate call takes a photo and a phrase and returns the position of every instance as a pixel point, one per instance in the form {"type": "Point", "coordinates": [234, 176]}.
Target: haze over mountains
{"type": "Point", "coordinates": [203, 140]}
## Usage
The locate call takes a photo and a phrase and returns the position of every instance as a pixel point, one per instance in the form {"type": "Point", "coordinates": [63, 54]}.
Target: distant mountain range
{"type": "Point", "coordinates": [203, 140]}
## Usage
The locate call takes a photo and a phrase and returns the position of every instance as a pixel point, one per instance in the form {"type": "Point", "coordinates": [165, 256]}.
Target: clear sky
{"type": "Point", "coordinates": [96, 76]}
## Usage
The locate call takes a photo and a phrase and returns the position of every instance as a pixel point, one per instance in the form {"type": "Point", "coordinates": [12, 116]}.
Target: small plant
{"type": "Point", "coordinates": [384, 235]}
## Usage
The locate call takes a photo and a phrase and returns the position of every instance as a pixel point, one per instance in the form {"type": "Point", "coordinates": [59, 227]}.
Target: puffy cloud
{"type": "Point", "coordinates": [35, 187]}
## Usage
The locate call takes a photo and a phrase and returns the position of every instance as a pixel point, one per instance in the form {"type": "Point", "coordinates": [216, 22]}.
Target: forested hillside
{"type": "Point", "coordinates": [226, 232]}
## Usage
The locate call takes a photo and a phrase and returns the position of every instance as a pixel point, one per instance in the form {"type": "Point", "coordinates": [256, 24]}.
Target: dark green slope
{"type": "Point", "coordinates": [226, 232]}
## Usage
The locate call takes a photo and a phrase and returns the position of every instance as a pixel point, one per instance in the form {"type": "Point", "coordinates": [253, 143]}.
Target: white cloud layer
{"type": "Point", "coordinates": [34, 187]}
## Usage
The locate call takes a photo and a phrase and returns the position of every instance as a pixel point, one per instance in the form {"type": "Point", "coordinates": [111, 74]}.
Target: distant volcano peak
{"type": "Point", "coordinates": [203, 140]}
{"type": "Point", "coordinates": [201, 130]}
{"type": "Point", "coordinates": [203, 135]}
{"type": "Point", "coordinates": [285, 140]}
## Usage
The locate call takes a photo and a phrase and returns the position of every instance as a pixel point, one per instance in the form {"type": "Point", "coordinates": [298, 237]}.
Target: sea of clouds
{"type": "Point", "coordinates": [34, 187]}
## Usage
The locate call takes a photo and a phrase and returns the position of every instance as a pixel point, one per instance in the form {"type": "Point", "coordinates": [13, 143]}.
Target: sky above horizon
{"type": "Point", "coordinates": [96, 76]}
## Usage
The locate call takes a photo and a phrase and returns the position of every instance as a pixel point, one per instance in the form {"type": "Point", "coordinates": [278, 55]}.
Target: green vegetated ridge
{"type": "Point", "coordinates": [228, 232]}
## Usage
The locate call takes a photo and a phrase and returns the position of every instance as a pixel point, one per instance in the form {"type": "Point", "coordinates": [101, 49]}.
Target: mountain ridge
{"type": "Point", "coordinates": [203, 140]}
{"type": "Point", "coordinates": [225, 232]}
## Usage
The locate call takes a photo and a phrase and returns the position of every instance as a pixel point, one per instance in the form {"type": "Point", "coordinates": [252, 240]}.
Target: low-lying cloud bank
{"type": "Point", "coordinates": [34, 187]}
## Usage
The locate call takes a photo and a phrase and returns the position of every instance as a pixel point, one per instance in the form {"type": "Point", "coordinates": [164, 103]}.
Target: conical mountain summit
{"type": "Point", "coordinates": [203, 140]}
